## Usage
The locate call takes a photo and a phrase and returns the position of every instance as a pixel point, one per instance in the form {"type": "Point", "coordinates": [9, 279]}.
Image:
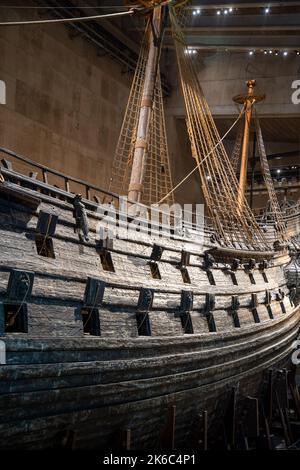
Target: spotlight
{"type": "Point", "coordinates": [278, 171]}
{"type": "Point", "coordinates": [298, 53]}
{"type": "Point", "coordinates": [190, 51]}
{"type": "Point", "coordinates": [270, 52]}
{"type": "Point", "coordinates": [198, 11]}
{"type": "Point", "coordinates": [251, 52]}
{"type": "Point", "coordinates": [285, 53]}
{"type": "Point", "coordinates": [267, 10]}
{"type": "Point", "coordinates": [219, 12]}
{"type": "Point", "coordinates": [265, 52]}
{"type": "Point", "coordinates": [276, 52]}
{"type": "Point", "coordinates": [230, 10]}
{"type": "Point", "coordinates": [225, 12]}
{"type": "Point", "coordinates": [194, 13]}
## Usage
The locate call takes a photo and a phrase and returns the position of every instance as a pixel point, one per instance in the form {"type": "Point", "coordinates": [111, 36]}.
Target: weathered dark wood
{"type": "Point", "coordinates": [167, 437]}
{"type": "Point", "coordinates": [19, 195]}
{"type": "Point", "coordinates": [250, 421]}
{"type": "Point", "coordinates": [294, 391]}
{"type": "Point", "coordinates": [221, 253]}
{"type": "Point", "coordinates": [6, 164]}
{"type": "Point", "coordinates": [283, 422]}
{"type": "Point", "coordinates": [69, 440]}
{"type": "Point", "coordinates": [269, 404]}
{"type": "Point", "coordinates": [230, 418]}
{"type": "Point", "coordinates": [2, 320]}
{"type": "Point", "coordinates": [204, 419]}
{"type": "Point", "coordinates": [266, 428]}
{"type": "Point", "coordinates": [121, 380]}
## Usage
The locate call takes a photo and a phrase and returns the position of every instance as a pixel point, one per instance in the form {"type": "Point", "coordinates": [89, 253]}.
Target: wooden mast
{"type": "Point", "coordinates": [248, 100]}
{"type": "Point", "coordinates": [141, 146]}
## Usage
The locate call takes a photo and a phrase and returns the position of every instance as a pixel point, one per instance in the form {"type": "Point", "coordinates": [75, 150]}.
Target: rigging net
{"type": "Point", "coordinates": [233, 222]}
{"type": "Point", "coordinates": [237, 149]}
{"type": "Point", "coordinates": [275, 211]}
{"type": "Point", "coordinates": [157, 181]}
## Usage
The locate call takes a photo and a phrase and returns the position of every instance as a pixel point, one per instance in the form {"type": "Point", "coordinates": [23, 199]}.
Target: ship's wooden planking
{"type": "Point", "coordinates": [59, 379]}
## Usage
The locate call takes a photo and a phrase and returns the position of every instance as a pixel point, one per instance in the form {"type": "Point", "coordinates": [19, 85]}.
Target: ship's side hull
{"type": "Point", "coordinates": [59, 379]}
{"type": "Point", "coordinates": [115, 385]}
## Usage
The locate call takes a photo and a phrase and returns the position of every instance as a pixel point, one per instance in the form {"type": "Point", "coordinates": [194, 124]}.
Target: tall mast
{"type": "Point", "coordinates": [141, 146]}
{"type": "Point", "coordinates": [248, 100]}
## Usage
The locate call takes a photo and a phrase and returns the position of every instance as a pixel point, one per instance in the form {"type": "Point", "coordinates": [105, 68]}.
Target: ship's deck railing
{"type": "Point", "coordinates": [67, 186]}
{"type": "Point", "coordinates": [291, 217]}
{"type": "Point", "coordinates": [58, 179]}
{"type": "Point", "coordinates": [261, 212]}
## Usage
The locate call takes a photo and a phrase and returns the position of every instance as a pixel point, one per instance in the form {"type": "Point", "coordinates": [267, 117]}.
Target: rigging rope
{"type": "Point", "coordinates": [14, 316]}
{"type": "Point", "coordinates": [276, 212]}
{"type": "Point", "coordinates": [204, 158]}
{"type": "Point", "coordinates": [130, 12]}
{"type": "Point", "coordinates": [147, 6]}
{"type": "Point", "coordinates": [236, 154]}
{"type": "Point", "coordinates": [157, 180]}
{"type": "Point", "coordinates": [234, 223]}
{"type": "Point", "coordinates": [43, 246]}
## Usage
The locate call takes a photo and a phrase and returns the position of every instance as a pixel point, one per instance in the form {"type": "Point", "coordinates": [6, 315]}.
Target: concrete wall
{"type": "Point", "coordinates": [223, 75]}
{"type": "Point", "coordinates": [64, 104]}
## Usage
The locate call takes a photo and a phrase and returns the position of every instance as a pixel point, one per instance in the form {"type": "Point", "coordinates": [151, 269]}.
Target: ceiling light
{"type": "Point", "coordinates": [285, 53]}
{"type": "Point", "coordinates": [270, 52]}
{"type": "Point", "coordinates": [230, 10]}
{"type": "Point", "coordinates": [251, 52]}
{"type": "Point", "coordinates": [198, 11]}
{"type": "Point", "coordinates": [265, 52]}
{"type": "Point", "coordinates": [278, 171]}
{"type": "Point", "coordinates": [190, 51]}
{"type": "Point", "coordinates": [225, 12]}
{"type": "Point", "coordinates": [267, 10]}
{"type": "Point", "coordinates": [194, 12]}
{"type": "Point", "coordinates": [298, 53]}
{"type": "Point", "coordinates": [219, 12]}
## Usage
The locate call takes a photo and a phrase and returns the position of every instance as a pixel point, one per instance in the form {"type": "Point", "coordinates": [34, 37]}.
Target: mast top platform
{"type": "Point", "coordinates": [155, 3]}
{"type": "Point", "coordinates": [250, 95]}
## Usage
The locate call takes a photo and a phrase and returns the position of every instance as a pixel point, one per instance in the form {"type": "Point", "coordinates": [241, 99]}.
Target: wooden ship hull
{"type": "Point", "coordinates": [212, 332]}
{"type": "Point", "coordinates": [141, 341]}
